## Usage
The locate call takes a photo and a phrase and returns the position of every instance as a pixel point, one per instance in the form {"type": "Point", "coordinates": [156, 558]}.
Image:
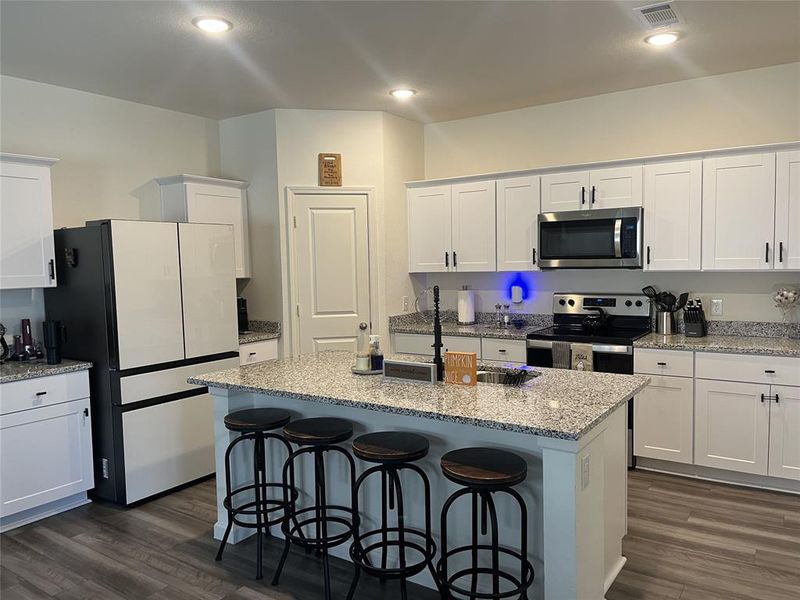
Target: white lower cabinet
{"type": "Point", "coordinates": [784, 432]}
{"type": "Point", "coordinates": [663, 420]}
{"type": "Point", "coordinates": [45, 445]}
{"type": "Point", "coordinates": [418, 343]}
{"type": "Point", "coordinates": [256, 352]}
{"type": "Point", "coordinates": [732, 426]}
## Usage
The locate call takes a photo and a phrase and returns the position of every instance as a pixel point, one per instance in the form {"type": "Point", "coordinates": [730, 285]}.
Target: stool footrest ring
{"type": "Point", "coordinates": [520, 584]}
{"type": "Point", "coordinates": [359, 552]}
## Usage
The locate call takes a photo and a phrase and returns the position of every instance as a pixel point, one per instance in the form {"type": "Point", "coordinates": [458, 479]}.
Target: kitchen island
{"type": "Point", "coordinates": [569, 426]}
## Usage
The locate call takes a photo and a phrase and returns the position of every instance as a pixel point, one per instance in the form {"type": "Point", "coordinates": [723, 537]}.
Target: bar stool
{"type": "Point", "coordinates": [392, 451]}
{"type": "Point", "coordinates": [484, 472]}
{"type": "Point", "coordinates": [255, 424]}
{"type": "Point", "coordinates": [316, 436]}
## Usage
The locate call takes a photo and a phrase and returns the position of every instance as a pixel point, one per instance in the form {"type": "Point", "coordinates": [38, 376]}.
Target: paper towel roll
{"type": "Point", "coordinates": [466, 307]}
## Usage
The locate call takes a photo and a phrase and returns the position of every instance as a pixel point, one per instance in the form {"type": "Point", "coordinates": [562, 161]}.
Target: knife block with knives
{"type": "Point", "coordinates": [694, 319]}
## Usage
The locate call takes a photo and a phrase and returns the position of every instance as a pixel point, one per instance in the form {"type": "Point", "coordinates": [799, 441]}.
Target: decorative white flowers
{"type": "Point", "coordinates": [786, 298]}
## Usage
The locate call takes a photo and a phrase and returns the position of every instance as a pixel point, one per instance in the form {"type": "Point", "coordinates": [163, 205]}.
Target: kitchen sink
{"type": "Point", "coordinates": [505, 377]}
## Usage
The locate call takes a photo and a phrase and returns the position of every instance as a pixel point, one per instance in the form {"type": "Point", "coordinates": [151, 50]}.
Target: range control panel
{"type": "Point", "coordinates": [627, 305]}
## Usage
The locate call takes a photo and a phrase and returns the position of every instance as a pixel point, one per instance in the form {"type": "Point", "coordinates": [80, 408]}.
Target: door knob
{"type": "Point", "coordinates": [362, 326]}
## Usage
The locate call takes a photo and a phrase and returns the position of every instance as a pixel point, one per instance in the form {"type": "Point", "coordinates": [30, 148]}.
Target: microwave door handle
{"type": "Point", "coordinates": [618, 238]}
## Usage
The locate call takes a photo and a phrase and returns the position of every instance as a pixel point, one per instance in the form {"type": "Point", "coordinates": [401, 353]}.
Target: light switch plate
{"type": "Point", "coordinates": [404, 302]}
{"type": "Point", "coordinates": [584, 472]}
{"type": "Point", "coordinates": [716, 307]}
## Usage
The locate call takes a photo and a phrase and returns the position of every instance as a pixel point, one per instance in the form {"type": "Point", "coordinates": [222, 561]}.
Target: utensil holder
{"type": "Point", "coordinates": [665, 323]}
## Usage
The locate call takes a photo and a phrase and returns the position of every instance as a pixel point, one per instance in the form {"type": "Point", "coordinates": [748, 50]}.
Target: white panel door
{"type": "Point", "coordinates": [784, 432]}
{"type": "Point", "coordinates": [429, 229]}
{"type": "Point", "coordinates": [27, 257]}
{"type": "Point", "coordinates": [517, 226]}
{"type": "Point", "coordinates": [332, 270]}
{"type": "Point", "coordinates": [474, 227]}
{"type": "Point", "coordinates": [616, 187]}
{"type": "Point", "coordinates": [209, 289]}
{"type": "Point", "coordinates": [663, 419]}
{"type": "Point", "coordinates": [46, 455]}
{"type": "Point", "coordinates": [147, 288]}
{"type": "Point", "coordinates": [731, 427]}
{"type": "Point", "coordinates": [787, 210]}
{"type": "Point", "coordinates": [565, 191]}
{"type": "Point", "coordinates": [739, 212]}
{"type": "Point", "coordinates": [673, 206]}
{"type": "Point", "coordinates": [167, 445]}
{"type": "Point", "coordinates": [219, 204]}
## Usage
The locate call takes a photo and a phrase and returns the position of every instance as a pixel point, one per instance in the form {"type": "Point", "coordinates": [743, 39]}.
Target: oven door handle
{"type": "Point", "coordinates": [618, 238]}
{"type": "Point", "coordinates": [612, 349]}
{"type": "Point", "coordinates": [539, 344]}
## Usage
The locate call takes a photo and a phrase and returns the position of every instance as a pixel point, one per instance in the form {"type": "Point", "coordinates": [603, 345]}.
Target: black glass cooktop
{"type": "Point", "coordinates": [577, 334]}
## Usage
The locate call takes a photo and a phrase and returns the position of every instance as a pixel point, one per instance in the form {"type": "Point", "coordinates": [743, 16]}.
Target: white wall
{"type": "Point", "coordinates": [737, 109]}
{"type": "Point", "coordinates": [745, 108]}
{"type": "Point", "coordinates": [109, 151]}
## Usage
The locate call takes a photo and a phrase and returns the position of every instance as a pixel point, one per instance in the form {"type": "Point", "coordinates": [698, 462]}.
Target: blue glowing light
{"type": "Point", "coordinates": [515, 279]}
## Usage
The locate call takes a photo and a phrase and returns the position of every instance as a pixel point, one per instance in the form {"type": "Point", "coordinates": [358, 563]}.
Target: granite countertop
{"type": "Point", "coordinates": [559, 403]}
{"type": "Point", "coordinates": [729, 344]}
{"type": "Point", "coordinates": [477, 330]}
{"type": "Point", "coordinates": [31, 369]}
{"type": "Point", "coordinates": [260, 331]}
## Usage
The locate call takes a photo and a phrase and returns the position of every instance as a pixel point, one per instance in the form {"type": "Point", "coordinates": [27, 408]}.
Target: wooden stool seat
{"type": "Point", "coordinates": [257, 419]}
{"type": "Point", "coordinates": [318, 431]}
{"type": "Point", "coordinates": [390, 447]}
{"type": "Point", "coordinates": [484, 467]}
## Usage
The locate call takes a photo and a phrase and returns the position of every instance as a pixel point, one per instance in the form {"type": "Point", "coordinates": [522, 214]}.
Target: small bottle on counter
{"type": "Point", "coordinates": [375, 353]}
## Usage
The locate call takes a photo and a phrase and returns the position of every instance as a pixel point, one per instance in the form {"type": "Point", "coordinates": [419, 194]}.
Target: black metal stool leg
{"type": "Point", "coordinates": [489, 504]}
{"type": "Point", "coordinates": [228, 490]}
{"type": "Point", "coordinates": [288, 514]}
{"type": "Point", "coordinates": [259, 441]}
{"type": "Point", "coordinates": [475, 515]}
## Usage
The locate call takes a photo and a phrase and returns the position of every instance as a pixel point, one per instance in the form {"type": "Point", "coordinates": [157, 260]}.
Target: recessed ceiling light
{"type": "Point", "coordinates": [403, 93]}
{"type": "Point", "coordinates": [212, 24]}
{"type": "Point", "coordinates": [662, 39]}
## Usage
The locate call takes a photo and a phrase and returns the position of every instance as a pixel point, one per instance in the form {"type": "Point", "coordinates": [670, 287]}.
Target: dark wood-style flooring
{"type": "Point", "coordinates": [688, 540]}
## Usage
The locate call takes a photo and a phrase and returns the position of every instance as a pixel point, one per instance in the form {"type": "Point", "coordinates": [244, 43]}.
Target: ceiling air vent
{"type": "Point", "coordinates": [656, 16]}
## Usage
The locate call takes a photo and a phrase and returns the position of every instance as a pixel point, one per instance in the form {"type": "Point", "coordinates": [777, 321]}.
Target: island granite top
{"type": "Point", "coordinates": [30, 369]}
{"type": "Point", "coordinates": [558, 403]}
{"type": "Point", "coordinates": [728, 344]}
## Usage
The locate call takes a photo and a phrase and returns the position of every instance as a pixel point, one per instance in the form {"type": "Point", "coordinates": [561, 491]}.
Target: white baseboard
{"type": "Point", "coordinates": [41, 512]}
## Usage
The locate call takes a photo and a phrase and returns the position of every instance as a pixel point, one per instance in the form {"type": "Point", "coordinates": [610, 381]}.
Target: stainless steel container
{"type": "Point", "coordinates": [665, 323]}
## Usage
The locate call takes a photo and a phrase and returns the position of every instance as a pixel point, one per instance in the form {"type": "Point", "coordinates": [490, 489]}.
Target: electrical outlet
{"type": "Point", "coordinates": [716, 307]}
{"type": "Point", "coordinates": [584, 472]}
{"type": "Point", "coordinates": [405, 303]}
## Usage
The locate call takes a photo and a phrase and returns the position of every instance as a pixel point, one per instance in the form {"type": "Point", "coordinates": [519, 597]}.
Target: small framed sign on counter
{"type": "Point", "coordinates": [330, 169]}
{"type": "Point", "coordinates": [461, 368]}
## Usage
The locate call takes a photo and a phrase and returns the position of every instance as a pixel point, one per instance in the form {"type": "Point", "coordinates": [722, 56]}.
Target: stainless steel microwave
{"type": "Point", "coordinates": [606, 238]}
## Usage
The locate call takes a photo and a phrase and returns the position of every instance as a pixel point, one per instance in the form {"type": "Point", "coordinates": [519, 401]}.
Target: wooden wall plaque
{"type": "Point", "coordinates": [461, 368]}
{"type": "Point", "coordinates": [330, 169]}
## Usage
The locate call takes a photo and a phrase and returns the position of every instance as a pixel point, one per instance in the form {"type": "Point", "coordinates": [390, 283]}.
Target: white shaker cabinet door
{"type": "Point", "coordinates": [616, 187]}
{"type": "Point", "coordinates": [474, 229]}
{"type": "Point", "coordinates": [208, 203]}
{"type": "Point", "coordinates": [673, 204]}
{"type": "Point", "coordinates": [565, 191]}
{"type": "Point", "coordinates": [209, 289]}
{"type": "Point", "coordinates": [46, 455]}
{"type": "Point", "coordinates": [429, 229]}
{"type": "Point", "coordinates": [663, 419]}
{"type": "Point", "coordinates": [784, 432]}
{"type": "Point", "coordinates": [739, 212]}
{"type": "Point", "coordinates": [147, 289]}
{"type": "Point", "coordinates": [517, 223]}
{"type": "Point", "coordinates": [787, 210]}
{"type": "Point", "coordinates": [731, 428]}
{"type": "Point", "coordinates": [27, 257]}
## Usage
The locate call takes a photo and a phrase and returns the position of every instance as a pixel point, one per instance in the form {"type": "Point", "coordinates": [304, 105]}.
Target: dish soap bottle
{"type": "Point", "coordinates": [375, 353]}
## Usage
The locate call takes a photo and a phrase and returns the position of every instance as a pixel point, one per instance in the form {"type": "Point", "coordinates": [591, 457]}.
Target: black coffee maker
{"type": "Point", "coordinates": [55, 334]}
{"type": "Point", "coordinates": [241, 309]}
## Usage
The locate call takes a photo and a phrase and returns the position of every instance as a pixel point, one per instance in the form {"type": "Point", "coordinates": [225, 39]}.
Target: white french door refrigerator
{"type": "Point", "coordinates": [150, 304]}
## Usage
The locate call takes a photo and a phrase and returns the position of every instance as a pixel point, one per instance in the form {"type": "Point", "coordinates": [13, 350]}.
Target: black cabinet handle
{"type": "Point", "coordinates": [502, 350]}
{"type": "Point", "coordinates": [533, 255]}
{"type": "Point", "coordinates": [455, 260]}
{"type": "Point", "coordinates": [447, 259]}
{"type": "Point", "coordinates": [648, 255]}
{"type": "Point", "coordinates": [762, 398]}
{"type": "Point", "coordinates": [766, 253]}
{"type": "Point", "coordinates": [777, 399]}
{"type": "Point", "coordinates": [52, 269]}
{"type": "Point", "coordinates": [85, 412]}
{"type": "Point", "coordinates": [662, 364]}
{"type": "Point", "coordinates": [41, 393]}
{"type": "Point", "coordinates": [252, 354]}
{"type": "Point", "coordinates": [780, 252]}
{"type": "Point", "coordinates": [583, 195]}
{"type": "Point", "coordinates": [769, 371]}
{"type": "Point", "coordinates": [594, 191]}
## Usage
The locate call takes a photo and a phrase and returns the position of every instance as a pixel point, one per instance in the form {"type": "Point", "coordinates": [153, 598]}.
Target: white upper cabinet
{"type": "Point", "coordinates": [787, 210]}
{"type": "Point", "coordinates": [616, 187]}
{"type": "Point", "coordinates": [517, 227]}
{"type": "Point", "coordinates": [27, 256]}
{"type": "Point", "coordinates": [565, 191]}
{"type": "Point", "coordinates": [474, 241]}
{"type": "Point", "coordinates": [196, 199]}
{"type": "Point", "coordinates": [673, 204]}
{"type": "Point", "coordinates": [739, 212]}
{"type": "Point", "coordinates": [429, 229]}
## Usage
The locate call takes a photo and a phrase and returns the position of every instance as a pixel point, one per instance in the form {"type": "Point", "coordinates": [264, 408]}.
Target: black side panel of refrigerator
{"type": "Point", "coordinates": [82, 303]}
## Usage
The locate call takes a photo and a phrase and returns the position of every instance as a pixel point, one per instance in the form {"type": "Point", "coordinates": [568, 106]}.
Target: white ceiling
{"type": "Point", "coordinates": [465, 58]}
